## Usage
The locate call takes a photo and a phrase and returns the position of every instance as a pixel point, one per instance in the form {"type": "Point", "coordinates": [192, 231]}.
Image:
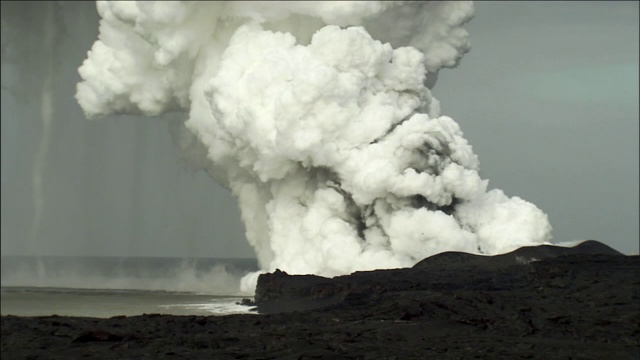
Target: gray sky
{"type": "Point", "coordinates": [547, 97]}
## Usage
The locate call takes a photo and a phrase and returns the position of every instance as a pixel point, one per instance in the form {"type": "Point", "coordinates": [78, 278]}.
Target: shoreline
{"type": "Point", "coordinates": [567, 306]}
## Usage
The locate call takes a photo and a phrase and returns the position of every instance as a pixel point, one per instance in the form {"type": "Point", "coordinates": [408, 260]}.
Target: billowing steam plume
{"type": "Point", "coordinates": [319, 118]}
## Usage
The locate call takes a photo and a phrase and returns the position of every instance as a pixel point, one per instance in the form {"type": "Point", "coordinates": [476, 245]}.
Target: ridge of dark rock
{"type": "Point", "coordinates": [520, 255]}
{"type": "Point", "coordinates": [448, 271]}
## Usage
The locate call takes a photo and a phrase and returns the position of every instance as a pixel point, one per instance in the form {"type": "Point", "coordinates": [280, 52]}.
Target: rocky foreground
{"type": "Point", "coordinates": [540, 302]}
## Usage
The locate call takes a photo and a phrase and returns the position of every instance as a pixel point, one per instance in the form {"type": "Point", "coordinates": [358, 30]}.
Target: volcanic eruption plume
{"type": "Point", "coordinates": [318, 116]}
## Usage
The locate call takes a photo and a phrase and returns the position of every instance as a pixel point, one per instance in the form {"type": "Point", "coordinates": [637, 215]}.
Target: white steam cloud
{"type": "Point", "coordinates": [319, 118]}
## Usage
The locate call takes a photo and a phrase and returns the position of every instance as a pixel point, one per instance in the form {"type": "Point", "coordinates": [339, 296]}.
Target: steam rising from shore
{"type": "Point", "coordinates": [319, 118]}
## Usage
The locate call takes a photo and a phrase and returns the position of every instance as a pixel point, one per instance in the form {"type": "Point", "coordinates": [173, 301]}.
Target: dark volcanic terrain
{"type": "Point", "coordinates": [542, 302]}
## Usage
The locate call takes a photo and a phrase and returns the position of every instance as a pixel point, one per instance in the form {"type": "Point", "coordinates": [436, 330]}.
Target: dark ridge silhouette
{"type": "Point", "coordinates": [595, 247]}
{"type": "Point", "coordinates": [448, 258]}
{"type": "Point", "coordinates": [521, 255]}
{"type": "Point", "coordinates": [545, 251]}
{"type": "Point", "coordinates": [280, 292]}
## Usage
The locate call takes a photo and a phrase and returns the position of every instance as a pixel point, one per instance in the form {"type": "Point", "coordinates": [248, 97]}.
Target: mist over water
{"type": "Point", "coordinates": [114, 286]}
{"type": "Point", "coordinates": [197, 275]}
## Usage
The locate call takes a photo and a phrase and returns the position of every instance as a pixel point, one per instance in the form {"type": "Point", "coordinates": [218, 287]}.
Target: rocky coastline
{"type": "Point", "coordinates": [543, 302]}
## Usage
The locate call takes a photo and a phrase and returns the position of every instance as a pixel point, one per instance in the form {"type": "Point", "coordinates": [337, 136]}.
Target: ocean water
{"type": "Point", "coordinates": [113, 286]}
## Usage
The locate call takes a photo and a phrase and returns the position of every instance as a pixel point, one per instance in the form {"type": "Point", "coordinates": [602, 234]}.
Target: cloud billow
{"type": "Point", "coordinates": [318, 117]}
